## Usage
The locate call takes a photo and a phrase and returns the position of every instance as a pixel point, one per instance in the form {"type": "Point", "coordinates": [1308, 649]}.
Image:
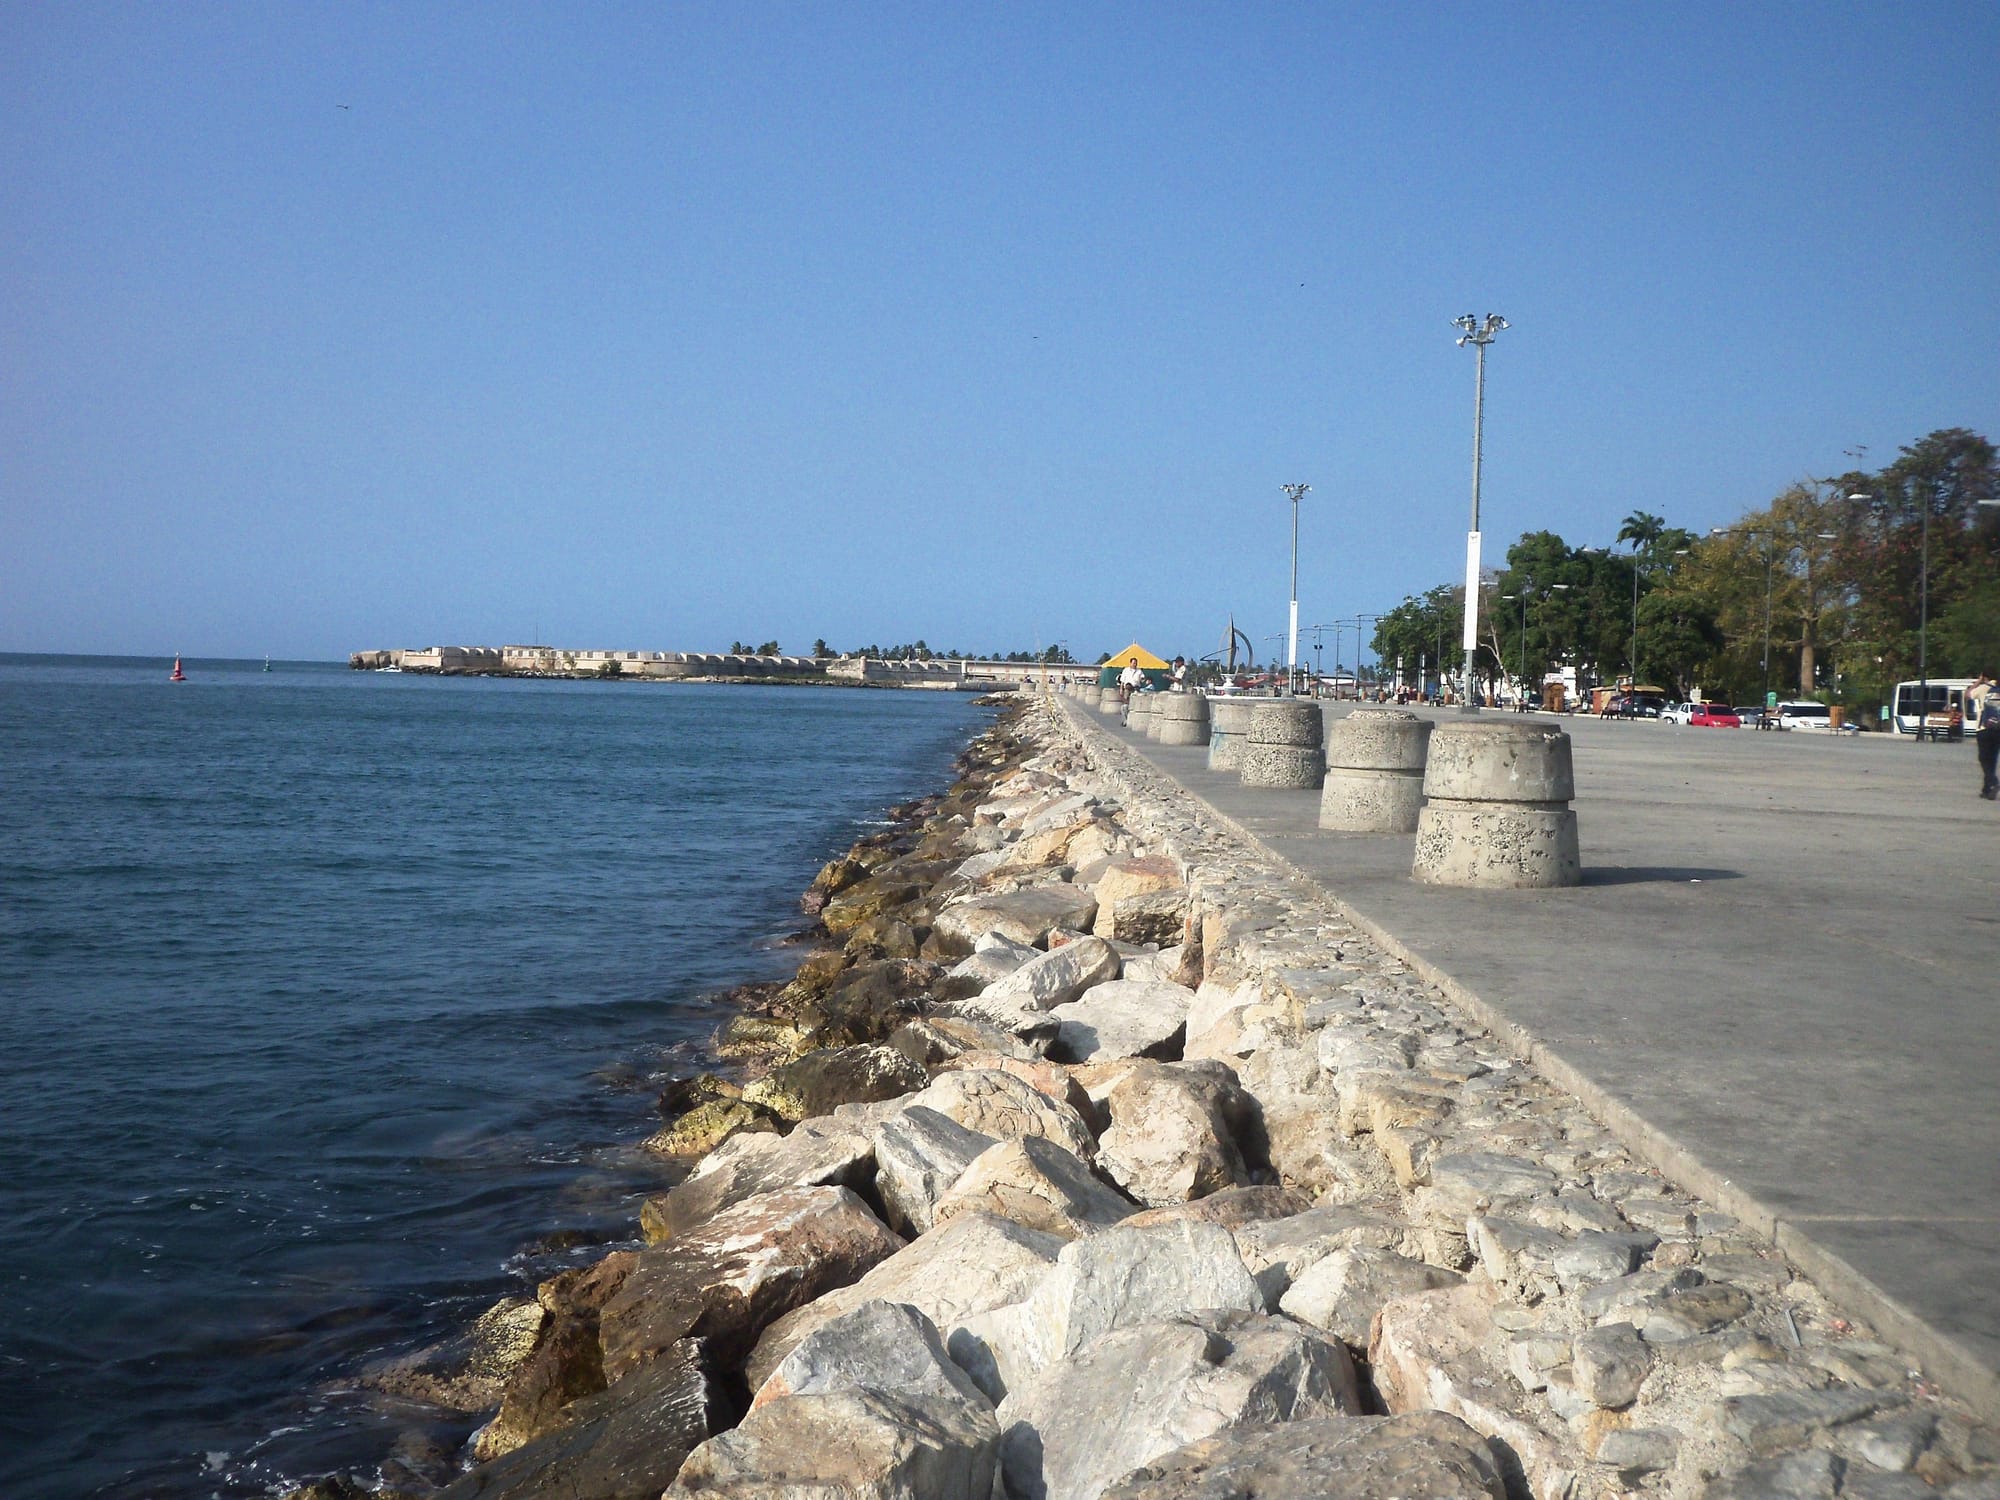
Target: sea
{"type": "Point", "coordinates": [334, 1006]}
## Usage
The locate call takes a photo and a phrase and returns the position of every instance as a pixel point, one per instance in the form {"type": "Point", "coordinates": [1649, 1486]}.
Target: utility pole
{"type": "Point", "coordinates": [1297, 492]}
{"type": "Point", "coordinates": [1479, 335]}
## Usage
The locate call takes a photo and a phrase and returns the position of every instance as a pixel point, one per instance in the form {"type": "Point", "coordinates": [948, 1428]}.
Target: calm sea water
{"type": "Point", "coordinates": [325, 997]}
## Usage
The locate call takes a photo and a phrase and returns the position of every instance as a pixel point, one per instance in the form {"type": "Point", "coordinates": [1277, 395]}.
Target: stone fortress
{"type": "Point", "coordinates": [709, 666]}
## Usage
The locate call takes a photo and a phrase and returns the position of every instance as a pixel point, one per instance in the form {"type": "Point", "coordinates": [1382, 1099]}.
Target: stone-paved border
{"type": "Point", "coordinates": [1200, 836]}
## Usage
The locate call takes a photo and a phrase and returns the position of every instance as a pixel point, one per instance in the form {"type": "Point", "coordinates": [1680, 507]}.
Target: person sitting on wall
{"type": "Point", "coordinates": [1130, 681]}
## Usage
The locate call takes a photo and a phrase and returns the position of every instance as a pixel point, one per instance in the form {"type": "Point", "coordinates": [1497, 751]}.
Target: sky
{"type": "Point", "coordinates": [659, 326]}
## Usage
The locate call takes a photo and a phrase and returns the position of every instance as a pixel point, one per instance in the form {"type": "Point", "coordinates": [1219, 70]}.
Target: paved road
{"type": "Point", "coordinates": [1784, 959]}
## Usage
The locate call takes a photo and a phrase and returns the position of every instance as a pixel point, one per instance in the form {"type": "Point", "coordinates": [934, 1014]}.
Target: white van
{"type": "Point", "coordinates": [1805, 714]}
{"type": "Point", "coordinates": [1942, 712]}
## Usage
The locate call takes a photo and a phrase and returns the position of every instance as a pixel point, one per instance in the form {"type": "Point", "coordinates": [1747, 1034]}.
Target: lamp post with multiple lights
{"type": "Point", "coordinates": [1478, 334]}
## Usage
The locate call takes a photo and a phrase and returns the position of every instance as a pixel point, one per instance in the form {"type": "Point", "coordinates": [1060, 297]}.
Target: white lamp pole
{"type": "Point", "coordinates": [1297, 492]}
{"type": "Point", "coordinates": [1479, 335]}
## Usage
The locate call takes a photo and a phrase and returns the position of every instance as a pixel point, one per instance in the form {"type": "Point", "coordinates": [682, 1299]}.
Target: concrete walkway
{"type": "Point", "coordinates": [1781, 978]}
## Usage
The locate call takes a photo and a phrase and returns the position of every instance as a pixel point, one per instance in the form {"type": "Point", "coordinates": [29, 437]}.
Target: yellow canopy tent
{"type": "Point", "coordinates": [1135, 655]}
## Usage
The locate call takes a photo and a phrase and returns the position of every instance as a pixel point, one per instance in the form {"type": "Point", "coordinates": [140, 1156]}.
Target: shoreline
{"type": "Point", "coordinates": [1074, 1030]}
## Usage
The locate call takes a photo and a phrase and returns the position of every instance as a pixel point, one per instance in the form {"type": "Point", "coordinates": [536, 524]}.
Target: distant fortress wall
{"type": "Point", "coordinates": [871, 671]}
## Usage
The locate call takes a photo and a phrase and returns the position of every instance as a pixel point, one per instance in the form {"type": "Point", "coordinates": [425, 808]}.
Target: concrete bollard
{"type": "Point", "coordinates": [1375, 771]}
{"type": "Point", "coordinates": [1228, 724]}
{"type": "Point", "coordinates": [1139, 712]}
{"type": "Point", "coordinates": [1108, 704]}
{"type": "Point", "coordinates": [1282, 746]}
{"type": "Point", "coordinates": [1183, 719]}
{"type": "Point", "coordinates": [1496, 812]}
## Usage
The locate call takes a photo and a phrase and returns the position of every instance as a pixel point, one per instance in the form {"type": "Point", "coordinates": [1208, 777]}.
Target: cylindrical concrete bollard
{"type": "Point", "coordinates": [1108, 704]}
{"type": "Point", "coordinates": [1139, 712]}
{"type": "Point", "coordinates": [1228, 724]}
{"type": "Point", "coordinates": [1282, 746]}
{"type": "Point", "coordinates": [1496, 811]}
{"type": "Point", "coordinates": [1183, 719]}
{"type": "Point", "coordinates": [1375, 771]}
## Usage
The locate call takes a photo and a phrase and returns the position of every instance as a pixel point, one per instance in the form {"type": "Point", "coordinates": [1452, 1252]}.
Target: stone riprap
{"type": "Point", "coordinates": [1375, 761]}
{"type": "Point", "coordinates": [1283, 746]}
{"type": "Point", "coordinates": [1496, 807]}
{"type": "Point", "coordinates": [1182, 719]}
{"type": "Point", "coordinates": [1151, 1271]}
{"type": "Point", "coordinates": [1228, 724]}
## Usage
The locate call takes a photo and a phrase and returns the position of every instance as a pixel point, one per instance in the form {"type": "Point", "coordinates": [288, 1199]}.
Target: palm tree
{"type": "Point", "coordinates": [1643, 530]}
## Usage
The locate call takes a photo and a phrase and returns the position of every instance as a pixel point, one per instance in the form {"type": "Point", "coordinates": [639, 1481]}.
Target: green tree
{"type": "Point", "coordinates": [769, 648]}
{"type": "Point", "coordinates": [821, 650]}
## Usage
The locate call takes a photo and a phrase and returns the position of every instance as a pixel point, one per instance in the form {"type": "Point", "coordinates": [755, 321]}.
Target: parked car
{"type": "Point", "coordinates": [1816, 718]}
{"type": "Point", "coordinates": [1750, 715]}
{"type": "Point", "coordinates": [1713, 716]}
{"type": "Point", "coordinates": [1677, 713]}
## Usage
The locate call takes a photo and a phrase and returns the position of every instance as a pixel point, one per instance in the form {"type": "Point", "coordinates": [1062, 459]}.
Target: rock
{"type": "Point", "coordinates": [1170, 1138]}
{"type": "Point", "coordinates": [1785, 1419]}
{"type": "Point", "coordinates": [331, 1487]}
{"type": "Point", "coordinates": [821, 1081]}
{"type": "Point", "coordinates": [1278, 1251]}
{"type": "Point", "coordinates": [1810, 1475]}
{"type": "Point", "coordinates": [1021, 1000]}
{"type": "Point", "coordinates": [1519, 1256]}
{"type": "Point", "coordinates": [626, 1443]}
{"type": "Point", "coordinates": [815, 1154]}
{"type": "Point", "coordinates": [867, 1003]}
{"type": "Point", "coordinates": [1637, 1451]}
{"type": "Point", "coordinates": [969, 1266]}
{"type": "Point", "coordinates": [1122, 1018]}
{"type": "Point", "coordinates": [1892, 1444]}
{"type": "Point", "coordinates": [1049, 1079]}
{"type": "Point", "coordinates": [919, 1154]}
{"type": "Point", "coordinates": [566, 1366]}
{"type": "Point", "coordinates": [993, 958]}
{"type": "Point", "coordinates": [583, 1290]}
{"type": "Point", "coordinates": [879, 1346]}
{"type": "Point", "coordinates": [468, 1371]}
{"type": "Point", "coordinates": [707, 1126]}
{"type": "Point", "coordinates": [882, 936]}
{"type": "Point", "coordinates": [853, 1445]}
{"type": "Point", "coordinates": [1232, 1208]}
{"type": "Point", "coordinates": [1133, 876]}
{"type": "Point", "coordinates": [1439, 1351]}
{"type": "Point", "coordinates": [1006, 1107]}
{"type": "Point", "coordinates": [1343, 1292]}
{"type": "Point", "coordinates": [873, 897]}
{"type": "Point", "coordinates": [1477, 1178]}
{"type": "Point", "coordinates": [1138, 1394]}
{"type": "Point", "coordinates": [1034, 1182]}
{"type": "Point", "coordinates": [753, 1036]}
{"type": "Point", "coordinates": [1425, 1454]}
{"type": "Point", "coordinates": [1156, 917]}
{"type": "Point", "coordinates": [1025, 915]}
{"type": "Point", "coordinates": [1611, 1362]}
{"type": "Point", "coordinates": [744, 1267]}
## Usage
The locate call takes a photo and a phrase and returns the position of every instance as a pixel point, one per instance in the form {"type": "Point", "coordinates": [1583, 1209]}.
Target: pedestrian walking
{"type": "Point", "coordinates": [1983, 699]}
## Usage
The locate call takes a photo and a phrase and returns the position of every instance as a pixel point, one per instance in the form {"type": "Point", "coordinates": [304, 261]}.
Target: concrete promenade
{"type": "Point", "coordinates": [1780, 978]}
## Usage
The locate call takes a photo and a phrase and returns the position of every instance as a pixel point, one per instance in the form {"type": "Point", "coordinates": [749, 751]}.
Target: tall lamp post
{"type": "Point", "coordinates": [1319, 642]}
{"type": "Point", "coordinates": [1297, 492]}
{"type": "Point", "coordinates": [1479, 335]}
{"type": "Point", "coordinates": [1359, 621]}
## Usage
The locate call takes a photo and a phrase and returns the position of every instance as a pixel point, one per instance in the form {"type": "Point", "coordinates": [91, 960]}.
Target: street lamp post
{"type": "Point", "coordinates": [1297, 492]}
{"type": "Point", "coordinates": [1479, 335]}
{"type": "Point", "coordinates": [1359, 620]}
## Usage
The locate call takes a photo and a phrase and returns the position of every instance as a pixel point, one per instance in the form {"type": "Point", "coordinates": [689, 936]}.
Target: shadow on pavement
{"type": "Point", "coordinates": [1652, 875]}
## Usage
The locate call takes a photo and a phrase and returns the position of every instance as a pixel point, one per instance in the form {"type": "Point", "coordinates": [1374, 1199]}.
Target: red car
{"type": "Point", "coordinates": [1714, 716]}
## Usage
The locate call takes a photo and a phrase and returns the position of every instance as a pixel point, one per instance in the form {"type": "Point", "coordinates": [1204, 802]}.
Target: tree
{"type": "Point", "coordinates": [769, 648]}
{"type": "Point", "coordinates": [821, 650]}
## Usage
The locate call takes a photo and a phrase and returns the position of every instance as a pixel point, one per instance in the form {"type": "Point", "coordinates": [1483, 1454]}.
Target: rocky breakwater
{"type": "Point", "coordinates": [1103, 1158]}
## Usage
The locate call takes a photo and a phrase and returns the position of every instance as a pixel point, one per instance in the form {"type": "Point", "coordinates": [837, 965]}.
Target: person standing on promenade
{"type": "Point", "coordinates": [1130, 681]}
{"type": "Point", "coordinates": [1983, 699]}
{"type": "Point", "coordinates": [1180, 674]}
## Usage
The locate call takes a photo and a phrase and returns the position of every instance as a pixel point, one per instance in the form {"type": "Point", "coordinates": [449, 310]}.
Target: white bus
{"type": "Point", "coordinates": [1942, 713]}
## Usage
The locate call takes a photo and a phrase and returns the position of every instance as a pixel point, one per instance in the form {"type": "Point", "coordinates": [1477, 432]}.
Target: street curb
{"type": "Point", "coordinates": [1948, 1362]}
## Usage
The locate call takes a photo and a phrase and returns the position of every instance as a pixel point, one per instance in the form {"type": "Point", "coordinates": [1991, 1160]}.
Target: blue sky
{"type": "Point", "coordinates": [659, 326]}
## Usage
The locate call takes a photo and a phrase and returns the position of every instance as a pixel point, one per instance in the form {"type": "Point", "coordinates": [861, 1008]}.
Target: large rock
{"type": "Point", "coordinates": [1137, 875]}
{"type": "Point", "coordinates": [1035, 1182]}
{"type": "Point", "coordinates": [726, 1279]}
{"type": "Point", "coordinates": [626, 1443]}
{"type": "Point", "coordinates": [850, 1444]}
{"type": "Point", "coordinates": [1021, 1001]}
{"type": "Point", "coordinates": [880, 1346]}
{"type": "Point", "coordinates": [1006, 1107]}
{"type": "Point", "coordinates": [1122, 1018]}
{"type": "Point", "coordinates": [1026, 916]}
{"type": "Point", "coordinates": [1232, 1208]}
{"type": "Point", "coordinates": [1441, 1351]}
{"type": "Point", "coordinates": [992, 959]}
{"type": "Point", "coordinates": [1140, 1393]}
{"type": "Point", "coordinates": [822, 1081]}
{"type": "Point", "coordinates": [1155, 917]}
{"type": "Point", "coordinates": [919, 1154]}
{"type": "Point", "coordinates": [866, 1003]}
{"type": "Point", "coordinates": [709, 1124]}
{"type": "Point", "coordinates": [816, 1154]}
{"type": "Point", "coordinates": [1343, 1292]}
{"type": "Point", "coordinates": [969, 1266]}
{"type": "Point", "coordinates": [1426, 1454]}
{"type": "Point", "coordinates": [1277, 1252]}
{"type": "Point", "coordinates": [1048, 1078]}
{"type": "Point", "coordinates": [1171, 1137]}
{"type": "Point", "coordinates": [876, 896]}
{"type": "Point", "coordinates": [468, 1371]}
